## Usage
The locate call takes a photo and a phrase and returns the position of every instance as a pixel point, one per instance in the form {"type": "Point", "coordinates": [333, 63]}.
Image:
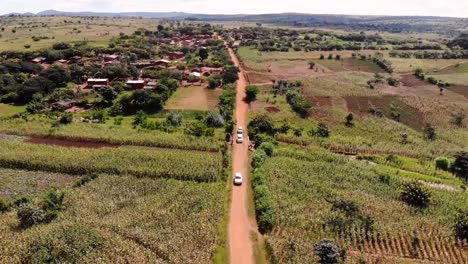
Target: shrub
{"type": "Point", "coordinates": [4, 206]}
{"type": "Point", "coordinates": [53, 200]}
{"type": "Point", "coordinates": [460, 165]}
{"type": "Point", "coordinates": [442, 163]}
{"type": "Point", "coordinates": [268, 147]}
{"type": "Point", "coordinates": [329, 253]}
{"type": "Point", "coordinates": [214, 120]}
{"type": "Point", "coordinates": [20, 201]}
{"type": "Point", "coordinates": [29, 215]}
{"type": "Point", "coordinates": [264, 203]}
{"type": "Point", "coordinates": [415, 194]}
{"type": "Point", "coordinates": [429, 133]}
{"type": "Point", "coordinates": [393, 81]}
{"type": "Point", "coordinates": [261, 124]}
{"type": "Point", "coordinates": [174, 119]}
{"type": "Point", "coordinates": [140, 118]}
{"type": "Point", "coordinates": [259, 158]}
{"type": "Point", "coordinates": [85, 179]}
{"type": "Point", "coordinates": [66, 119]}
{"type": "Point", "coordinates": [322, 130]}
{"type": "Point", "coordinates": [461, 225]}
{"type": "Point", "coordinates": [349, 120]}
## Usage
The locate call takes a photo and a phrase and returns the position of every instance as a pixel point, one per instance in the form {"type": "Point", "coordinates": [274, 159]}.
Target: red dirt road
{"type": "Point", "coordinates": [240, 226]}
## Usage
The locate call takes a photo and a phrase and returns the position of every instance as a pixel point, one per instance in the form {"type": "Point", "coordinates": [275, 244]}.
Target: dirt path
{"type": "Point", "coordinates": [240, 226]}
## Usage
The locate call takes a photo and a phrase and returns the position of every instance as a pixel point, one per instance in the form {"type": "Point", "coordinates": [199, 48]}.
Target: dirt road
{"type": "Point", "coordinates": [240, 226]}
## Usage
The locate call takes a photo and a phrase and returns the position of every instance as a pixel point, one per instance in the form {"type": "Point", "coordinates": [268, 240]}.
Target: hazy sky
{"type": "Point", "coordinates": [456, 8]}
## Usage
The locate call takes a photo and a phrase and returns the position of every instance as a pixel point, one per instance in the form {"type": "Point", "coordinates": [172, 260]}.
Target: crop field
{"type": "Point", "coordinates": [20, 183]}
{"type": "Point", "coordinates": [134, 220]}
{"type": "Point", "coordinates": [429, 65]}
{"type": "Point", "coordinates": [49, 30]}
{"type": "Point", "coordinates": [306, 186]}
{"type": "Point", "coordinates": [106, 133]}
{"type": "Point", "coordinates": [137, 161]}
{"type": "Point", "coordinates": [194, 98]}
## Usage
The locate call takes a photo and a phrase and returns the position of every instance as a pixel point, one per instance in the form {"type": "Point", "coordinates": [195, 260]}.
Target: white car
{"type": "Point", "coordinates": [240, 130]}
{"type": "Point", "coordinates": [238, 178]}
{"type": "Point", "coordinates": [240, 138]}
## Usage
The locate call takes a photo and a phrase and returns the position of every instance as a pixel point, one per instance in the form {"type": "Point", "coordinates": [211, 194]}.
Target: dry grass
{"type": "Point", "coordinates": [194, 98]}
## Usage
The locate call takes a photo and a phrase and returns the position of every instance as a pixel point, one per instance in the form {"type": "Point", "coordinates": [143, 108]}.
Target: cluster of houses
{"type": "Point", "coordinates": [186, 40]}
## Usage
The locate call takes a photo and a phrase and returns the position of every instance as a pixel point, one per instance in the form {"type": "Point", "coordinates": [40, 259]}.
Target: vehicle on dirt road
{"type": "Point", "coordinates": [240, 138]}
{"type": "Point", "coordinates": [240, 130]}
{"type": "Point", "coordinates": [238, 178]}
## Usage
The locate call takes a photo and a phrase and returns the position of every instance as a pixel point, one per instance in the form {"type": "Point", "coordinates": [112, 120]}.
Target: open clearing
{"type": "Point", "coordinates": [8, 110]}
{"type": "Point", "coordinates": [194, 98]}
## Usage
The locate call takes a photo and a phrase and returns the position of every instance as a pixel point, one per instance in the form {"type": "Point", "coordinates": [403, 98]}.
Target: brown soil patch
{"type": "Point", "coordinates": [408, 115]}
{"type": "Point", "coordinates": [459, 89]}
{"type": "Point", "coordinates": [411, 81]}
{"type": "Point", "coordinates": [272, 109]}
{"type": "Point", "coordinates": [70, 143]}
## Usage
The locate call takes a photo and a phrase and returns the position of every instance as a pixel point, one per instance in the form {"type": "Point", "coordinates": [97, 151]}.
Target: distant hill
{"type": "Point", "coordinates": [446, 25]}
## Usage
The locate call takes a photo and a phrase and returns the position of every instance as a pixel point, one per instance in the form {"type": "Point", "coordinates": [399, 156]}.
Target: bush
{"type": "Point", "coordinates": [429, 133]}
{"type": "Point", "coordinates": [261, 124]}
{"type": "Point", "coordinates": [66, 119]}
{"type": "Point", "coordinates": [460, 165]}
{"type": "Point", "coordinates": [268, 147]}
{"type": "Point", "coordinates": [461, 225]}
{"type": "Point", "coordinates": [415, 194]}
{"type": "Point", "coordinates": [264, 203]}
{"type": "Point", "coordinates": [259, 158]}
{"type": "Point", "coordinates": [349, 120]}
{"type": "Point", "coordinates": [53, 200]}
{"type": "Point", "coordinates": [214, 120]}
{"type": "Point", "coordinates": [29, 215]}
{"type": "Point", "coordinates": [174, 119]}
{"type": "Point", "coordinates": [442, 163]}
{"type": "Point", "coordinates": [85, 179]}
{"type": "Point", "coordinates": [4, 206]}
{"type": "Point", "coordinates": [393, 81]}
{"type": "Point", "coordinates": [322, 130]}
{"type": "Point", "coordinates": [328, 253]}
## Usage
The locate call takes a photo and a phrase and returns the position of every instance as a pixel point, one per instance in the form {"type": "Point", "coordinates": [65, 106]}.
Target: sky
{"type": "Point", "coordinates": [453, 8]}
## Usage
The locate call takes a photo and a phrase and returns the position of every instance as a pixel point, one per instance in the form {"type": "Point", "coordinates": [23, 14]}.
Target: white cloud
{"type": "Point", "coordinates": [457, 8]}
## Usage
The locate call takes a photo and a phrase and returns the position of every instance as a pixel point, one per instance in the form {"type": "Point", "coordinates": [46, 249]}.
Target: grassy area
{"type": "Point", "coordinates": [8, 110]}
{"type": "Point", "coordinates": [428, 65]}
{"type": "Point", "coordinates": [97, 31]}
{"type": "Point", "coordinates": [305, 184]}
{"type": "Point", "coordinates": [135, 220]}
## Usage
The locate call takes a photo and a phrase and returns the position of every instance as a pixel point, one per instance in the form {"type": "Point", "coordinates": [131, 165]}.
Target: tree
{"type": "Point", "coordinates": [230, 74]}
{"type": "Point", "coordinates": [251, 93]}
{"type": "Point", "coordinates": [311, 65]}
{"type": "Point", "coordinates": [460, 165]}
{"type": "Point", "coordinates": [349, 120]}
{"type": "Point", "coordinates": [203, 53]}
{"type": "Point", "coordinates": [414, 193]}
{"type": "Point", "coordinates": [430, 133]}
{"type": "Point", "coordinates": [108, 94]}
{"type": "Point", "coordinates": [329, 253]}
{"type": "Point", "coordinates": [261, 124]}
{"type": "Point", "coordinates": [140, 118]}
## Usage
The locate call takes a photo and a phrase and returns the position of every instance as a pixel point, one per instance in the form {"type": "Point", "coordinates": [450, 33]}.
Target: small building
{"type": "Point", "coordinates": [75, 59]}
{"type": "Point", "coordinates": [175, 55]}
{"type": "Point", "coordinates": [39, 60]}
{"type": "Point", "coordinates": [136, 84]}
{"type": "Point", "coordinates": [62, 105]}
{"type": "Point", "coordinates": [162, 62]}
{"type": "Point", "coordinates": [91, 83]}
{"type": "Point", "coordinates": [62, 61]}
{"type": "Point", "coordinates": [109, 58]}
{"type": "Point", "coordinates": [150, 85]}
